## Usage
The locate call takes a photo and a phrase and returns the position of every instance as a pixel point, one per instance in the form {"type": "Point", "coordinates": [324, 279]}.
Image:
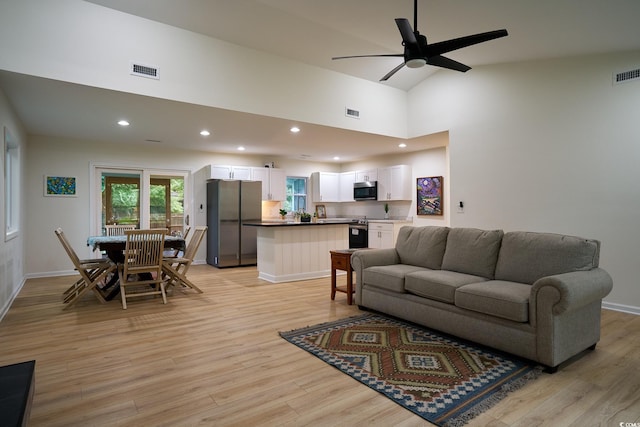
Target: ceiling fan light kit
{"type": "Point", "coordinates": [418, 53]}
{"type": "Point", "coordinates": [416, 63]}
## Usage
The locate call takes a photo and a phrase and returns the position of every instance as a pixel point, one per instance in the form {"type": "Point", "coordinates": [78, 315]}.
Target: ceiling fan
{"type": "Point", "coordinates": [417, 52]}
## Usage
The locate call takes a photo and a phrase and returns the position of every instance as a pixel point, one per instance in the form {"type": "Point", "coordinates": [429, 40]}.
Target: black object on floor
{"type": "Point", "coordinates": [17, 384]}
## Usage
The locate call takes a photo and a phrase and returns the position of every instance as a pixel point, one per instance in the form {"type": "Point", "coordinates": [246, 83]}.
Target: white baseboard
{"type": "Point", "coordinates": [7, 305]}
{"type": "Point", "coordinates": [621, 307]}
{"type": "Point", "coordinates": [51, 274]}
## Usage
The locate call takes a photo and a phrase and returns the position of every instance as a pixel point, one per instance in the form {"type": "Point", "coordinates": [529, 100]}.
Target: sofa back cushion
{"type": "Point", "coordinates": [472, 251]}
{"type": "Point", "coordinates": [422, 246]}
{"type": "Point", "coordinates": [526, 256]}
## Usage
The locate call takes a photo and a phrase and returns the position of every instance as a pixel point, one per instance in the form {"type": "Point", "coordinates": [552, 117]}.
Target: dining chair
{"type": "Point", "coordinates": [92, 272]}
{"type": "Point", "coordinates": [118, 229]}
{"type": "Point", "coordinates": [175, 268]}
{"type": "Point", "coordinates": [142, 265]}
{"type": "Point", "coordinates": [173, 253]}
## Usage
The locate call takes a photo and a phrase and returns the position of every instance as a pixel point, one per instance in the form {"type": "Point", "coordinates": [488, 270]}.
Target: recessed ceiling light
{"type": "Point", "coordinates": [123, 123]}
{"type": "Point", "coordinates": [241, 148]}
{"type": "Point", "coordinates": [205, 132]}
{"type": "Point", "coordinates": [295, 129]}
{"type": "Point", "coordinates": [336, 158]}
{"type": "Point", "coordinates": [403, 145]}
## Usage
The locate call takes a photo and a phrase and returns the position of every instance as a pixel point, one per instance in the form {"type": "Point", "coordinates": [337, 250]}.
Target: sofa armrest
{"type": "Point", "coordinates": [367, 258]}
{"type": "Point", "coordinates": [570, 291]}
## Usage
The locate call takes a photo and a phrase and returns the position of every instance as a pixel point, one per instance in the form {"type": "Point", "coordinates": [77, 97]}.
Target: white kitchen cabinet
{"type": "Point", "coordinates": [394, 183]}
{"type": "Point", "coordinates": [381, 235]}
{"type": "Point", "coordinates": [229, 172]}
{"type": "Point", "coordinates": [325, 187]}
{"type": "Point", "coordinates": [274, 182]}
{"type": "Point", "coordinates": [367, 175]}
{"type": "Point", "coordinates": [346, 186]}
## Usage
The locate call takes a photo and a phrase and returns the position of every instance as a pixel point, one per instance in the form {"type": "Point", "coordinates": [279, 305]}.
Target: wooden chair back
{"type": "Point", "coordinates": [176, 268]}
{"type": "Point", "coordinates": [194, 243]}
{"type": "Point", "coordinates": [118, 229]}
{"type": "Point", "coordinates": [142, 264]}
{"type": "Point", "coordinates": [92, 272]}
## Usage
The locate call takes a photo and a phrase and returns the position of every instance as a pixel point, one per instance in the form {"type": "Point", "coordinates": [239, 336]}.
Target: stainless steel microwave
{"type": "Point", "coordinates": [367, 190]}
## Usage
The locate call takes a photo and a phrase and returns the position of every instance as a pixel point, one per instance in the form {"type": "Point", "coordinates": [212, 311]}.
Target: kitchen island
{"type": "Point", "coordinates": [289, 251]}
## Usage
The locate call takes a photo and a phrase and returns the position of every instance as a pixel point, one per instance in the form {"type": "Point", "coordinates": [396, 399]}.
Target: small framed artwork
{"type": "Point", "coordinates": [60, 186]}
{"type": "Point", "coordinates": [429, 200]}
{"type": "Point", "coordinates": [321, 211]}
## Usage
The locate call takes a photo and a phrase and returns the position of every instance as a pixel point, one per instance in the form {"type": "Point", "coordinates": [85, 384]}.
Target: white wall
{"type": "Point", "coordinates": [83, 43]}
{"type": "Point", "coordinates": [12, 253]}
{"type": "Point", "coordinates": [545, 146]}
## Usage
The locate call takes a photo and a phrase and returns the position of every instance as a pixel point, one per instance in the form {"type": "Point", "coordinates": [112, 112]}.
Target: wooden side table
{"type": "Point", "coordinates": [341, 260]}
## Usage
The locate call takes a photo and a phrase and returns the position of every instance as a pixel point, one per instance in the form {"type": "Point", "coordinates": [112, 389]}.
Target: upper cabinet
{"type": "Point", "coordinates": [274, 182]}
{"type": "Point", "coordinates": [394, 183]}
{"type": "Point", "coordinates": [229, 172]}
{"type": "Point", "coordinates": [346, 186]}
{"type": "Point", "coordinates": [367, 175]}
{"type": "Point", "coordinates": [325, 187]}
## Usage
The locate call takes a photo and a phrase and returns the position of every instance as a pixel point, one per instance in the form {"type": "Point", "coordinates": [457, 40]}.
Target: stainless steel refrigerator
{"type": "Point", "coordinates": [229, 204]}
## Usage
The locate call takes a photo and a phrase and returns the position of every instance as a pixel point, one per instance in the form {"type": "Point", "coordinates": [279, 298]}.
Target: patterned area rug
{"type": "Point", "coordinates": [444, 380]}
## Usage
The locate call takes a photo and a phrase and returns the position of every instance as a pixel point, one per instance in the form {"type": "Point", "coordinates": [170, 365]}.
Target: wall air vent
{"type": "Point", "coordinates": [350, 112]}
{"type": "Point", "coordinates": [626, 76]}
{"type": "Point", "coordinates": [141, 70]}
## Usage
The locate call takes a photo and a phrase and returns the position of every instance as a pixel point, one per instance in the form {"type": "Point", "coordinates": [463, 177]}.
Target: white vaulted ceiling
{"type": "Point", "coordinates": [311, 32]}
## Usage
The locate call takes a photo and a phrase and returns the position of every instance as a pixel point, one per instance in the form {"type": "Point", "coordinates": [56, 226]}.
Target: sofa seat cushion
{"type": "Point", "coordinates": [438, 285]}
{"type": "Point", "coordinates": [508, 300]}
{"type": "Point", "coordinates": [389, 277]}
{"type": "Point", "coordinates": [472, 251]}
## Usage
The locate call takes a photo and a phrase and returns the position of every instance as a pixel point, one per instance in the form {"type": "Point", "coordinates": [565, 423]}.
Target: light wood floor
{"type": "Point", "coordinates": [215, 359]}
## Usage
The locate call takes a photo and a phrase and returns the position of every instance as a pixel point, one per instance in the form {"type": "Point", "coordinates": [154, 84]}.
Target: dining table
{"type": "Point", "coordinates": [114, 247]}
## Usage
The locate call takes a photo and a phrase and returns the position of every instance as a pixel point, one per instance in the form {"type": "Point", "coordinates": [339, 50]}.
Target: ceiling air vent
{"type": "Point", "coordinates": [626, 76]}
{"type": "Point", "coordinates": [141, 70]}
{"type": "Point", "coordinates": [354, 114]}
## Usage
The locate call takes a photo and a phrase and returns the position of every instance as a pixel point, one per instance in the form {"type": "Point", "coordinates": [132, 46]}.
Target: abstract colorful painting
{"type": "Point", "coordinates": [60, 186]}
{"type": "Point", "coordinates": [429, 200]}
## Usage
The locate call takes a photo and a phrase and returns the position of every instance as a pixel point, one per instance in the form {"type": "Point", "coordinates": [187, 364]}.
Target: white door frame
{"type": "Point", "coordinates": [95, 185]}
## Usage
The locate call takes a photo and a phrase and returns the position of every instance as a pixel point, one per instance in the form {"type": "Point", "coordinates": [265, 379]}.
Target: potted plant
{"type": "Point", "coordinates": [386, 211]}
{"type": "Point", "coordinates": [305, 217]}
{"type": "Point", "coordinates": [283, 214]}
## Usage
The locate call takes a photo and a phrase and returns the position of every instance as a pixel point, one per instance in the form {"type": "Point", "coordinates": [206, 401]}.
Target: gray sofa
{"type": "Point", "coordinates": [535, 295]}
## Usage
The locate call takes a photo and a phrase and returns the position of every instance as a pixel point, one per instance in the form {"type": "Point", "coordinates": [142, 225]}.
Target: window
{"type": "Point", "coordinates": [12, 185]}
{"type": "Point", "coordinates": [147, 198]}
{"type": "Point", "coordinates": [296, 194]}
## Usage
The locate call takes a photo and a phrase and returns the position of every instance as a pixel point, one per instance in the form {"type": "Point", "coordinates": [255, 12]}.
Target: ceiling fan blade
{"type": "Point", "coordinates": [395, 55]}
{"type": "Point", "coordinates": [408, 37]}
{"type": "Point", "coordinates": [454, 44]}
{"type": "Point", "coordinates": [444, 62]}
{"type": "Point", "coordinates": [392, 72]}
